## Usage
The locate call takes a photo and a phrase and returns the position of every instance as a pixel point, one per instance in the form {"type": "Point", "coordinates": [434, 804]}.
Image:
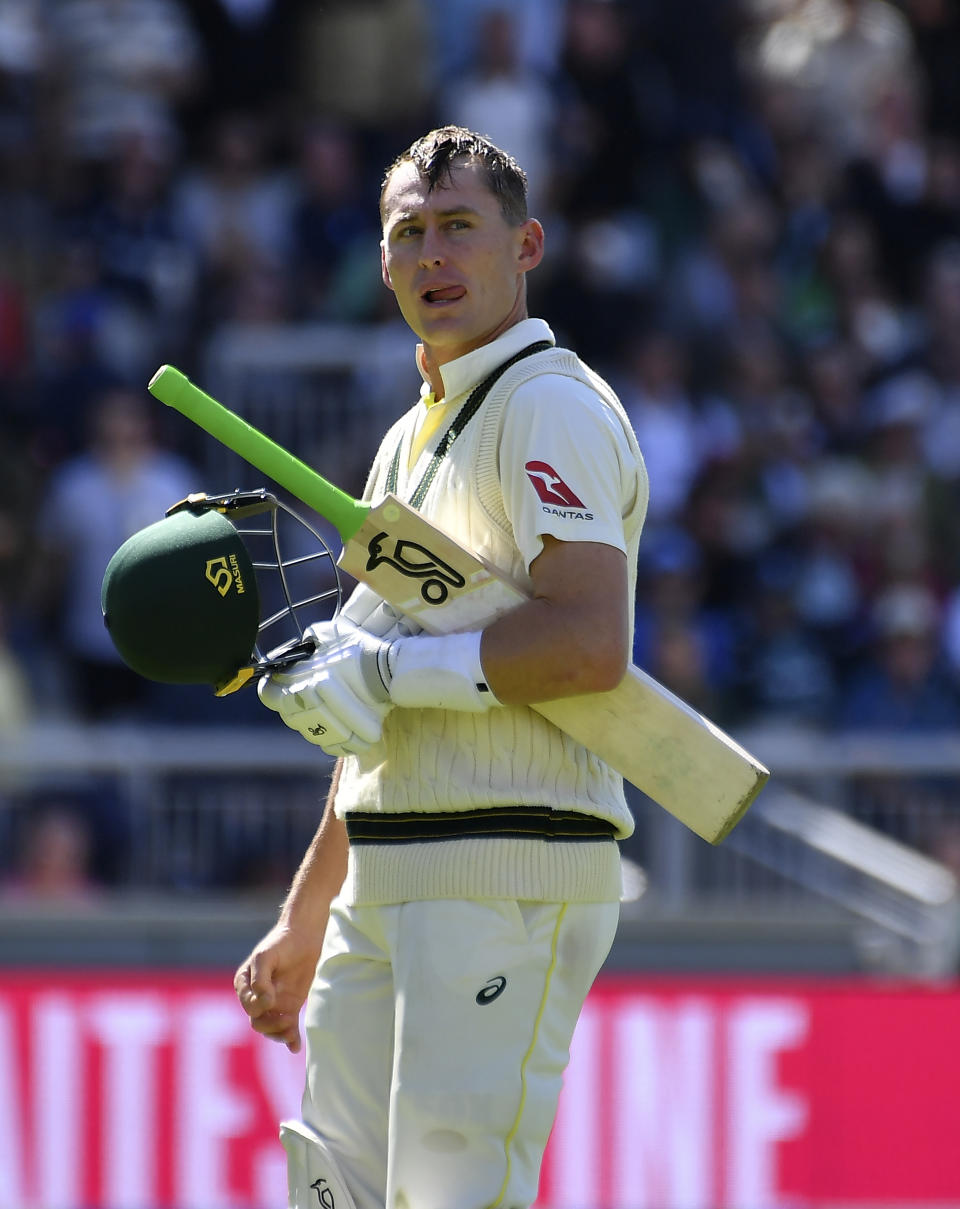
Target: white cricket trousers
{"type": "Point", "coordinates": [437, 1033]}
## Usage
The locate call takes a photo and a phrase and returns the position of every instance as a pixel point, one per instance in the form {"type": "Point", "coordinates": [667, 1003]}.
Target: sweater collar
{"type": "Point", "coordinates": [465, 372]}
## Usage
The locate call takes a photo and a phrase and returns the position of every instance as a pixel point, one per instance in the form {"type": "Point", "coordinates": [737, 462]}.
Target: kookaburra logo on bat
{"type": "Point", "coordinates": [324, 1193]}
{"type": "Point", "coordinates": [416, 562]}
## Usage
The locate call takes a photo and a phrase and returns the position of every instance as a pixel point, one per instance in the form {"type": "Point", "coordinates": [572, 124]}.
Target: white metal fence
{"type": "Point", "coordinates": [866, 826]}
{"type": "Point", "coordinates": [199, 805]}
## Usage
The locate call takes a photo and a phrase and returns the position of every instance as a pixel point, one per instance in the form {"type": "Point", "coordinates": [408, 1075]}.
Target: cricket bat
{"type": "Point", "coordinates": [651, 737]}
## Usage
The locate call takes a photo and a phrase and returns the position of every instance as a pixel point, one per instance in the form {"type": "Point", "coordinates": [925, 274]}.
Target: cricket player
{"type": "Point", "coordinates": [462, 890]}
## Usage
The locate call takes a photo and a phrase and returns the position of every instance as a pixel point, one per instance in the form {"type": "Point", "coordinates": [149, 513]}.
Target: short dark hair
{"type": "Point", "coordinates": [436, 154]}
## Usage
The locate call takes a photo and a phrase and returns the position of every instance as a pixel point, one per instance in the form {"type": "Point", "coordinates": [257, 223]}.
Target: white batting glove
{"type": "Point", "coordinates": [338, 698]}
{"type": "Point", "coordinates": [368, 610]}
{"type": "Point", "coordinates": [422, 671]}
{"type": "Point", "coordinates": [438, 672]}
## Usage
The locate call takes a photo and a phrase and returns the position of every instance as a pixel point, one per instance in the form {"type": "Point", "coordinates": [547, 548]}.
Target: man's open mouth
{"type": "Point", "coordinates": [444, 293]}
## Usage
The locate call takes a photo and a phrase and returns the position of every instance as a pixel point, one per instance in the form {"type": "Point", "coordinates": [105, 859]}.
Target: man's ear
{"type": "Point", "coordinates": [531, 245]}
{"type": "Point", "coordinates": [384, 271]}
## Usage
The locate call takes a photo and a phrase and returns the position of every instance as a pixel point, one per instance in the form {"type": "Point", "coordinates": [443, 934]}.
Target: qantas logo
{"type": "Point", "coordinates": [556, 497]}
{"type": "Point", "coordinates": [550, 486]}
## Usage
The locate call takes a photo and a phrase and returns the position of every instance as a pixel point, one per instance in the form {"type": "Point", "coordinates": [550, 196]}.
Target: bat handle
{"type": "Point", "coordinates": [176, 390]}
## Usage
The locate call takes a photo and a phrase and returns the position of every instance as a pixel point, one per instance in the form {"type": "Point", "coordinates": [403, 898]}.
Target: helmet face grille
{"type": "Point", "coordinates": [197, 597]}
{"type": "Point", "coordinates": [297, 575]}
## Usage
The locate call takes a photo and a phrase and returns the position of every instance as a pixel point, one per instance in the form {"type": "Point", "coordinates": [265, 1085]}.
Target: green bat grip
{"type": "Point", "coordinates": [175, 389]}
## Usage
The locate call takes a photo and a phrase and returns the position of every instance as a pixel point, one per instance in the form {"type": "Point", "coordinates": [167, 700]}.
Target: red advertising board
{"type": "Point", "coordinates": [150, 1092]}
{"type": "Point", "coordinates": [708, 1095]}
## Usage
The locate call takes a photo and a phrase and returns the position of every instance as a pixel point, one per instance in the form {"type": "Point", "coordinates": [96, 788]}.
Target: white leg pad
{"type": "Point", "coordinates": [313, 1178]}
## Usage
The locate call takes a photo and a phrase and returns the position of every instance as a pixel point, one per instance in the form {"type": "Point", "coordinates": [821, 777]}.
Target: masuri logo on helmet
{"type": "Point", "coordinates": [223, 574]}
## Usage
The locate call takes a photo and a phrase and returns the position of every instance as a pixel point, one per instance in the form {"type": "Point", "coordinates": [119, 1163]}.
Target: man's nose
{"type": "Point", "coordinates": [431, 250]}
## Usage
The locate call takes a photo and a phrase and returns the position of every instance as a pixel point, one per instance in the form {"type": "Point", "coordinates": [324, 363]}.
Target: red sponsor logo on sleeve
{"type": "Point", "coordinates": [550, 487]}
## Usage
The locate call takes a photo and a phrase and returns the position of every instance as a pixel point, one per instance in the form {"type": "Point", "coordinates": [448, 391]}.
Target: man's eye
{"type": "Point", "coordinates": [459, 224]}
{"type": "Point", "coordinates": [405, 232]}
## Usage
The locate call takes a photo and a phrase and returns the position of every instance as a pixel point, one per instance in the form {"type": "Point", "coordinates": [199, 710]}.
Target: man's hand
{"type": "Point", "coordinates": [338, 698]}
{"type": "Point", "coordinates": [273, 982]}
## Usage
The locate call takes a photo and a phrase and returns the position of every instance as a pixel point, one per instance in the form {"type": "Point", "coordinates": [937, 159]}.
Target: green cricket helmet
{"type": "Point", "coordinates": [182, 598]}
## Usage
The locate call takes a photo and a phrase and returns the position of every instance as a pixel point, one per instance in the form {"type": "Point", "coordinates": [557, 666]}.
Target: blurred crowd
{"type": "Point", "coordinates": [753, 231]}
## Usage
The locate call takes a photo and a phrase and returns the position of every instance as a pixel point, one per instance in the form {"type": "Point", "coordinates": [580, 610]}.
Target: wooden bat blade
{"type": "Point", "coordinates": [679, 758]}
{"type": "Point", "coordinates": [650, 736]}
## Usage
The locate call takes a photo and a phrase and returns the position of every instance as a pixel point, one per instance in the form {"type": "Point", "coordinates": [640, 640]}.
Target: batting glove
{"type": "Point", "coordinates": [368, 610]}
{"type": "Point", "coordinates": [338, 697]}
{"type": "Point", "coordinates": [442, 672]}
{"type": "Point", "coordinates": [438, 672]}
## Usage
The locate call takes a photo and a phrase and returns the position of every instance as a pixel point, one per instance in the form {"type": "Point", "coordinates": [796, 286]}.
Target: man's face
{"type": "Point", "coordinates": [454, 262]}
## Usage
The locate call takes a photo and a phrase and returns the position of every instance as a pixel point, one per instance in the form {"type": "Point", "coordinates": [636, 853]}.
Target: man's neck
{"type": "Point", "coordinates": [431, 360]}
{"type": "Point", "coordinates": [431, 371]}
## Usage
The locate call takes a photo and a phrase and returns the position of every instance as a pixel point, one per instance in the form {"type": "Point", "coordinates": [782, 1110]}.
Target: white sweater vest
{"type": "Point", "coordinates": [435, 760]}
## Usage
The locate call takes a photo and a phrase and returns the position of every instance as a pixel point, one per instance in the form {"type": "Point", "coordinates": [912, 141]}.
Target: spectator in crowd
{"type": "Point", "coordinates": [366, 65]}
{"type": "Point", "coordinates": [603, 139]}
{"type": "Point", "coordinates": [510, 101]}
{"type": "Point", "coordinates": [724, 280]}
{"type": "Point", "coordinates": [689, 647]}
{"type": "Point", "coordinates": [663, 416]}
{"type": "Point", "coordinates": [897, 412]}
{"type": "Point", "coordinates": [837, 57]}
{"type": "Point", "coordinates": [902, 685]}
{"type": "Point", "coordinates": [868, 311]}
{"type": "Point", "coordinates": [250, 61]}
{"type": "Point", "coordinates": [86, 335]}
{"type": "Point", "coordinates": [121, 68]}
{"type": "Point", "coordinates": [938, 355]}
{"type": "Point", "coordinates": [833, 548]}
{"type": "Point", "coordinates": [233, 209]}
{"type": "Point", "coordinates": [123, 481]}
{"type": "Point", "coordinates": [907, 183]}
{"type": "Point", "coordinates": [334, 275]}
{"type": "Point", "coordinates": [54, 859]}
{"type": "Point", "coordinates": [775, 428]}
{"type": "Point", "coordinates": [142, 260]}
{"type": "Point", "coordinates": [454, 26]}
{"type": "Point", "coordinates": [807, 185]}
{"type": "Point", "coordinates": [601, 283]}
{"type": "Point", "coordinates": [16, 694]}
{"type": "Point", "coordinates": [699, 91]}
{"type": "Point", "coordinates": [787, 676]}
{"type": "Point", "coordinates": [831, 375]}
{"type": "Point", "coordinates": [935, 26]}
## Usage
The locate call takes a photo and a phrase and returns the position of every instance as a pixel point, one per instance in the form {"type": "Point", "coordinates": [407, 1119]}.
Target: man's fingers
{"type": "Point", "coordinates": [279, 1026]}
{"type": "Point", "coordinates": [270, 692]}
{"type": "Point", "coordinates": [254, 987]}
{"type": "Point", "coordinates": [251, 1003]}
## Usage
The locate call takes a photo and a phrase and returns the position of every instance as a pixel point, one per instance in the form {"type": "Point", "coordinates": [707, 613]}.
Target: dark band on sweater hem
{"type": "Point", "coordinates": [500, 822]}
